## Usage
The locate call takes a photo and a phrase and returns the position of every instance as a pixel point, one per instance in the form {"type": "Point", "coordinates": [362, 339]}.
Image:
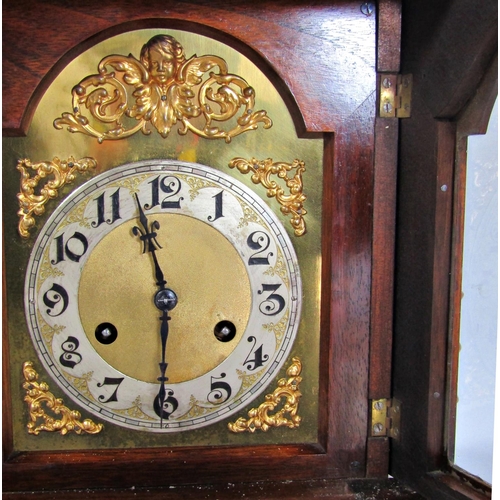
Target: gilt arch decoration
{"type": "Point", "coordinates": [17, 122]}
{"type": "Point", "coordinates": [163, 88]}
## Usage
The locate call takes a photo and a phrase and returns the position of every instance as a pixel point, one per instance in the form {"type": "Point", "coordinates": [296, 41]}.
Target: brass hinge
{"type": "Point", "coordinates": [395, 96]}
{"type": "Point", "coordinates": [386, 418]}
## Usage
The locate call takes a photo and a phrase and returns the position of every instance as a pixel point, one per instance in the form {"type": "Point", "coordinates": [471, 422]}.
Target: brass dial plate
{"type": "Point", "coordinates": [280, 143]}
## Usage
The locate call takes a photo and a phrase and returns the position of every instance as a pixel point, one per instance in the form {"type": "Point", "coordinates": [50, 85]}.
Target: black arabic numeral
{"type": "Point", "coordinates": [274, 302]}
{"type": "Point", "coordinates": [56, 299]}
{"type": "Point", "coordinates": [74, 249]}
{"type": "Point", "coordinates": [70, 358]}
{"type": "Point", "coordinates": [110, 381]}
{"type": "Point", "coordinates": [259, 241]}
{"type": "Point", "coordinates": [101, 209]}
{"type": "Point", "coordinates": [258, 359]}
{"type": "Point", "coordinates": [168, 185]}
{"type": "Point", "coordinates": [218, 207]}
{"type": "Point", "coordinates": [170, 404]}
{"type": "Point", "coordinates": [219, 391]}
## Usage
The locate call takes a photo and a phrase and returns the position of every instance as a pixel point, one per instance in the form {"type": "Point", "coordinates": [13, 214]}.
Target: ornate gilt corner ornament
{"type": "Point", "coordinates": [259, 418]}
{"type": "Point", "coordinates": [54, 175]}
{"type": "Point", "coordinates": [161, 89]}
{"type": "Point", "coordinates": [291, 203]}
{"type": "Point", "coordinates": [37, 393]}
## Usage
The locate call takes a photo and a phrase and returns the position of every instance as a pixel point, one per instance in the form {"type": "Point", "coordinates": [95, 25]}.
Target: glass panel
{"type": "Point", "coordinates": [478, 326]}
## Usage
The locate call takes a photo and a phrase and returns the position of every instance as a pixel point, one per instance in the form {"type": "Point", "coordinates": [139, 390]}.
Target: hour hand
{"type": "Point", "coordinates": [148, 236]}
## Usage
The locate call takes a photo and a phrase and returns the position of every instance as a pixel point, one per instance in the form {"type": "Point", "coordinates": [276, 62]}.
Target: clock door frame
{"type": "Point", "coordinates": [358, 220]}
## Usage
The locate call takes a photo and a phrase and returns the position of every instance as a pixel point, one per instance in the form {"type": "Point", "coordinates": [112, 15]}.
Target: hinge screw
{"type": "Point", "coordinates": [387, 83]}
{"type": "Point", "coordinates": [387, 107]}
{"type": "Point", "coordinates": [367, 8]}
{"type": "Point", "coordinates": [378, 428]}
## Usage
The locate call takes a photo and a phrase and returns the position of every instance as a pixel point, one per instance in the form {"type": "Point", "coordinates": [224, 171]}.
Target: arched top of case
{"type": "Point", "coordinates": [317, 100]}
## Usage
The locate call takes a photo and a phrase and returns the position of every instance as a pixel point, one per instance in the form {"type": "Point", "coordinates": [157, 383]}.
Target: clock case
{"type": "Point", "coordinates": [325, 68]}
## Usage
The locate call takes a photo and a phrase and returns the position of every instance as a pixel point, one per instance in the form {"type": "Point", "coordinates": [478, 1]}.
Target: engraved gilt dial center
{"type": "Point", "coordinates": [209, 279]}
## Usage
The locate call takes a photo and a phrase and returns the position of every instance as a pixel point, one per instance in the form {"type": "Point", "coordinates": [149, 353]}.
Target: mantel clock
{"type": "Point", "coordinates": [187, 252]}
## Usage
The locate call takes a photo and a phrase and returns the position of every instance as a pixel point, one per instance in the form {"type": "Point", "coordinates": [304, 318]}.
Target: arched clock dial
{"type": "Point", "coordinates": [163, 296]}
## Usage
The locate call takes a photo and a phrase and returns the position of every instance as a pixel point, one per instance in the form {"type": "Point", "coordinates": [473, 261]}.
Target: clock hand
{"type": "Point", "coordinates": [165, 299]}
{"type": "Point", "coordinates": [148, 236]}
{"type": "Point", "coordinates": [167, 305]}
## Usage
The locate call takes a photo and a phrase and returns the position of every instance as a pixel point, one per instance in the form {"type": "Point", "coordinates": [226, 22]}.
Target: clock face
{"type": "Point", "coordinates": [163, 296]}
